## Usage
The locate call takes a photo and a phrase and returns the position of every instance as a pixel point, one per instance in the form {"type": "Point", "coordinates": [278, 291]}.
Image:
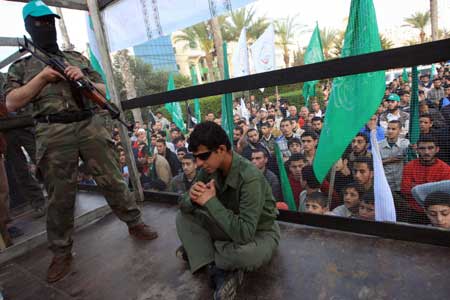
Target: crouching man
{"type": "Point", "coordinates": [226, 221]}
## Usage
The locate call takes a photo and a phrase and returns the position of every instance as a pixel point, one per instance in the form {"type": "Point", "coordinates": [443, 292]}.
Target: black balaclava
{"type": "Point", "coordinates": [43, 35]}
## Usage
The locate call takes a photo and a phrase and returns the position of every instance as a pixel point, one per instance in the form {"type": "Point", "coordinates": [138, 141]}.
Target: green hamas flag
{"type": "Point", "coordinates": [149, 142]}
{"type": "Point", "coordinates": [355, 98]}
{"type": "Point", "coordinates": [405, 75]}
{"type": "Point", "coordinates": [227, 100]}
{"type": "Point", "coordinates": [286, 189]}
{"type": "Point", "coordinates": [174, 108]}
{"type": "Point", "coordinates": [197, 113]}
{"type": "Point", "coordinates": [414, 130]}
{"type": "Point", "coordinates": [313, 54]}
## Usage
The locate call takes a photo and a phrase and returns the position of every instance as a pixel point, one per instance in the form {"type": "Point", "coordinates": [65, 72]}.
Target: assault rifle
{"type": "Point", "coordinates": [85, 86]}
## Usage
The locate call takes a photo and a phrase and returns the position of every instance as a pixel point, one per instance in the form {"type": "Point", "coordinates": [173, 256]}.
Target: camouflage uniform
{"type": "Point", "coordinates": [59, 146]}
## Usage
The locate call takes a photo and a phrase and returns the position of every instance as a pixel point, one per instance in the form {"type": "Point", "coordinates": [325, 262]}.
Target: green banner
{"type": "Point", "coordinates": [286, 189]}
{"type": "Point", "coordinates": [174, 108]}
{"type": "Point", "coordinates": [355, 98]}
{"type": "Point", "coordinates": [313, 54]}
{"type": "Point", "coordinates": [227, 100]}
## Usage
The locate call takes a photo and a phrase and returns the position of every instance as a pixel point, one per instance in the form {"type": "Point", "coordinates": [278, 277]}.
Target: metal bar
{"type": "Point", "coordinates": [114, 92]}
{"type": "Point", "coordinates": [10, 59]}
{"type": "Point", "coordinates": [383, 60]}
{"type": "Point", "coordinates": [10, 41]}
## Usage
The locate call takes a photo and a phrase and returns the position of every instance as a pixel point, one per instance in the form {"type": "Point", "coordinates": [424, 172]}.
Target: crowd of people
{"type": "Point", "coordinates": [161, 152]}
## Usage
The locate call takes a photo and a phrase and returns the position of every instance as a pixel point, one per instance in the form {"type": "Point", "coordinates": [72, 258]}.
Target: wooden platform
{"type": "Point", "coordinates": [310, 264]}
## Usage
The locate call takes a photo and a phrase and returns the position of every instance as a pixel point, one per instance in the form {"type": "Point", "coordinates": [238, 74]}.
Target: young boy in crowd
{"type": "Point", "coordinates": [312, 185]}
{"type": "Point", "coordinates": [295, 146]}
{"type": "Point", "coordinates": [317, 203]}
{"type": "Point", "coordinates": [437, 208]}
{"type": "Point", "coordinates": [351, 195]}
{"type": "Point", "coordinates": [367, 207]}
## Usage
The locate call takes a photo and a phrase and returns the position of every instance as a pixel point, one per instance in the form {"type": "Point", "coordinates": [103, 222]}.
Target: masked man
{"type": "Point", "coordinates": [67, 128]}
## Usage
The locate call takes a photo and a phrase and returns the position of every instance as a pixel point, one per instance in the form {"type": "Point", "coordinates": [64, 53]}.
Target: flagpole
{"type": "Point", "coordinates": [331, 188]}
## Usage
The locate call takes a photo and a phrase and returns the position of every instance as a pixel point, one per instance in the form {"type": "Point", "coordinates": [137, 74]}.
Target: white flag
{"type": "Point", "coordinates": [244, 111]}
{"type": "Point", "coordinates": [240, 56]}
{"type": "Point", "coordinates": [384, 202]}
{"type": "Point", "coordinates": [263, 51]}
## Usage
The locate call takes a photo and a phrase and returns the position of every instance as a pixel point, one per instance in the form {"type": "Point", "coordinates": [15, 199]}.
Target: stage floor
{"type": "Point", "coordinates": [311, 263]}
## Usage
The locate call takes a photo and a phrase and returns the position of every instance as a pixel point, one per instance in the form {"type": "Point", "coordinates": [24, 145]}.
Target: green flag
{"type": "Point", "coordinates": [414, 131]}
{"type": "Point", "coordinates": [174, 108]}
{"type": "Point", "coordinates": [433, 71]}
{"type": "Point", "coordinates": [355, 98]}
{"type": "Point", "coordinates": [313, 54]}
{"type": "Point", "coordinates": [227, 100]}
{"type": "Point", "coordinates": [405, 75]}
{"type": "Point", "coordinates": [197, 113]}
{"type": "Point", "coordinates": [286, 189]}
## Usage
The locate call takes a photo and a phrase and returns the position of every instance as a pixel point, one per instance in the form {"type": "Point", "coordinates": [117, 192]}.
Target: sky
{"type": "Point", "coordinates": [328, 13]}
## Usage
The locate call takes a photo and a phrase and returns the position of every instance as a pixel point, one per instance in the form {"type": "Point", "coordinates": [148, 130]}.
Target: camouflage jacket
{"type": "Point", "coordinates": [54, 97]}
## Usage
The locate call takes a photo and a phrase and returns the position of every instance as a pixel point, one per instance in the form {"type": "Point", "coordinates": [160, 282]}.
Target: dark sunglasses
{"type": "Point", "coordinates": [202, 156]}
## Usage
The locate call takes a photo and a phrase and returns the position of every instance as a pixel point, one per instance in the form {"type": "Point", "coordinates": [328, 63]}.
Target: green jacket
{"type": "Point", "coordinates": [244, 203]}
{"type": "Point", "coordinates": [54, 97]}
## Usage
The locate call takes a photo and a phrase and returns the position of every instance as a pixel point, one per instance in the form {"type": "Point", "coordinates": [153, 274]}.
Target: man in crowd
{"type": "Point", "coordinates": [267, 139]}
{"type": "Point", "coordinates": [286, 129]}
{"type": "Point", "coordinates": [427, 168]}
{"type": "Point", "coordinates": [260, 157]}
{"type": "Point", "coordinates": [363, 172]}
{"type": "Point", "coordinates": [303, 117]}
{"type": "Point", "coordinates": [253, 143]}
{"type": "Point", "coordinates": [181, 152]}
{"type": "Point", "coordinates": [293, 113]}
{"type": "Point", "coordinates": [436, 93]}
{"type": "Point", "coordinates": [438, 119]}
{"type": "Point", "coordinates": [360, 144]}
{"type": "Point", "coordinates": [159, 118]}
{"type": "Point", "coordinates": [79, 132]}
{"type": "Point", "coordinates": [315, 106]}
{"type": "Point", "coordinates": [295, 165]}
{"type": "Point", "coordinates": [227, 221]}
{"type": "Point", "coordinates": [393, 153]}
{"type": "Point", "coordinates": [172, 159]}
{"type": "Point", "coordinates": [210, 116]}
{"type": "Point", "coordinates": [309, 143]}
{"type": "Point", "coordinates": [316, 124]}
{"type": "Point", "coordinates": [394, 113]}
{"type": "Point", "coordinates": [183, 181]}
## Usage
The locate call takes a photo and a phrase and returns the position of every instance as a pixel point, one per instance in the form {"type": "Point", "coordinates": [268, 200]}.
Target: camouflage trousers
{"type": "Point", "coordinates": [58, 149]}
{"type": "Point", "coordinates": [205, 242]}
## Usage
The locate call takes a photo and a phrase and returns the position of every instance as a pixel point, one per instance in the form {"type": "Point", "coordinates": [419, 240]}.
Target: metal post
{"type": "Point", "coordinates": [106, 63]}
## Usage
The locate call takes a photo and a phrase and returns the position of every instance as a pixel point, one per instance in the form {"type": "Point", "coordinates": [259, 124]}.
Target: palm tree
{"type": "Point", "coordinates": [328, 37]}
{"type": "Point", "coordinates": [198, 36]}
{"type": "Point", "coordinates": [338, 43]}
{"type": "Point", "coordinates": [418, 21]}
{"type": "Point", "coordinates": [286, 29]}
{"type": "Point", "coordinates": [244, 17]}
{"type": "Point", "coordinates": [385, 42]}
{"type": "Point", "coordinates": [434, 19]}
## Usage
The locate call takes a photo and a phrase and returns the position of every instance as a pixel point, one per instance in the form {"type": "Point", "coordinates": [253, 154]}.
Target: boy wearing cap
{"type": "Point", "coordinates": [71, 130]}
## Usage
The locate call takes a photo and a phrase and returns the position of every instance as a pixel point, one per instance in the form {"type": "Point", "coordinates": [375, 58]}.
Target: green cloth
{"type": "Point", "coordinates": [313, 54]}
{"type": "Point", "coordinates": [197, 112]}
{"type": "Point", "coordinates": [414, 130]}
{"type": "Point", "coordinates": [227, 100]}
{"type": "Point", "coordinates": [174, 108]}
{"type": "Point", "coordinates": [286, 189]}
{"type": "Point", "coordinates": [355, 98]}
{"type": "Point", "coordinates": [405, 75]}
